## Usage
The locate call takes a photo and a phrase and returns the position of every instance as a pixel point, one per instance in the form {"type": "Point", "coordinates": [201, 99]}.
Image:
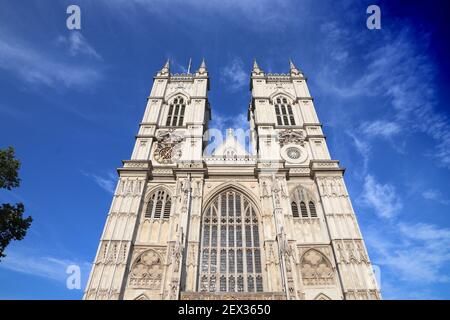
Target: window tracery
{"type": "Point", "coordinates": [230, 253]}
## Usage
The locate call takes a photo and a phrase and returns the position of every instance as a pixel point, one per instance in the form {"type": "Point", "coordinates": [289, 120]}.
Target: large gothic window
{"type": "Point", "coordinates": [159, 205]}
{"type": "Point", "coordinates": [283, 111]}
{"type": "Point", "coordinates": [175, 117]}
{"type": "Point", "coordinates": [230, 259]}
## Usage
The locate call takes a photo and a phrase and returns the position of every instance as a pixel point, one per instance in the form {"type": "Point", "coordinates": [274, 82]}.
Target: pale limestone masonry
{"type": "Point", "coordinates": [275, 222]}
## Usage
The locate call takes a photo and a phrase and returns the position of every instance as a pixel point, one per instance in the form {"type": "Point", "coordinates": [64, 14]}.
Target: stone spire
{"type": "Point", "coordinates": [202, 69]}
{"type": "Point", "coordinates": [256, 68]}
{"type": "Point", "coordinates": [293, 68]}
{"type": "Point", "coordinates": [166, 68]}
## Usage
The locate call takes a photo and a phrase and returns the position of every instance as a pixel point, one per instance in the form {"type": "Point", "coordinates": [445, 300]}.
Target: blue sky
{"type": "Point", "coordinates": [71, 101]}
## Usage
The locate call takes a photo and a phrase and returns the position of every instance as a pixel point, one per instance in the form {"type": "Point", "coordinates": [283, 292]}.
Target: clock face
{"type": "Point", "coordinates": [166, 154]}
{"type": "Point", "coordinates": [293, 153]}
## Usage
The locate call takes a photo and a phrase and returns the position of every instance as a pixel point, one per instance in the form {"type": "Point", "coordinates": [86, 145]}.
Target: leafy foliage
{"type": "Point", "coordinates": [9, 167]}
{"type": "Point", "coordinates": [13, 226]}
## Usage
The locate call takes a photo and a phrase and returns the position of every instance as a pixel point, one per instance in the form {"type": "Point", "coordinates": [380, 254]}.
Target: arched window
{"type": "Point", "coordinates": [302, 197]}
{"type": "Point", "coordinates": [175, 117]}
{"type": "Point", "coordinates": [283, 112]}
{"type": "Point", "coordinates": [294, 210]}
{"type": "Point", "coordinates": [303, 210]}
{"type": "Point", "coordinates": [230, 227]}
{"type": "Point", "coordinates": [159, 205]}
{"type": "Point", "coordinates": [312, 210]}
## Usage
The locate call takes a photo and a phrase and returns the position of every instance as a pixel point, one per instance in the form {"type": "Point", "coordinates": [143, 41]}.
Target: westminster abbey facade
{"type": "Point", "coordinates": [269, 221]}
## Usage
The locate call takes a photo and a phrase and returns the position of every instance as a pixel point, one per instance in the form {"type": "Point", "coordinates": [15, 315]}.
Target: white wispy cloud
{"type": "Point", "coordinates": [234, 75]}
{"type": "Point", "coordinates": [383, 198]}
{"type": "Point", "coordinates": [385, 129]}
{"type": "Point", "coordinates": [78, 45]}
{"type": "Point", "coordinates": [44, 266]}
{"type": "Point", "coordinates": [107, 182]}
{"type": "Point", "coordinates": [256, 15]}
{"type": "Point", "coordinates": [39, 67]}
{"type": "Point", "coordinates": [364, 149]}
{"type": "Point", "coordinates": [435, 195]}
{"type": "Point", "coordinates": [415, 253]}
{"type": "Point", "coordinates": [399, 72]}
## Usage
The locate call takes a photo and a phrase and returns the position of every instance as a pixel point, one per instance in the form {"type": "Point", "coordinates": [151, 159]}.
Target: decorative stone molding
{"type": "Point", "coordinates": [294, 153]}
{"type": "Point", "coordinates": [162, 172]}
{"type": "Point", "coordinates": [325, 165]}
{"type": "Point", "coordinates": [361, 294]}
{"type": "Point", "coordinates": [189, 164]}
{"type": "Point", "coordinates": [299, 171]}
{"type": "Point", "coordinates": [135, 164]}
{"type": "Point", "coordinates": [332, 186]}
{"type": "Point", "coordinates": [316, 269]}
{"type": "Point", "coordinates": [168, 146]}
{"type": "Point", "coordinates": [113, 252]}
{"type": "Point", "coordinates": [233, 296]}
{"type": "Point", "coordinates": [130, 186]}
{"type": "Point", "coordinates": [290, 136]}
{"type": "Point", "coordinates": [351, 251]}
{"type": "Point", "coordinates": [147, 270]}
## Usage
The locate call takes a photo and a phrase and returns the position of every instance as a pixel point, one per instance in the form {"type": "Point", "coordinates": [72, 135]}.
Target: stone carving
{"type": "Point", "coordinates": [130, 187]}
{"type": "Point", "coordinates": [146, 271]}
{"type": "Point", "coordinates": [351, 251]}
{"type": "Point", "coordinates": [113, 252]}
{"type": "Point", "coordinates": [135, 165]}
{"type": "Point", "coordinates": [190, 165]}
{"type": "Point", "coordinates": [177, 251]}
{"type": "Point", "coordinates": [272, 258]}
{"type": "Point", "coordinates": [191, 261]}
{"type": "Point", "coordinates": [290, 136]}
{"type": "Point", "coordinates": [316, 269]}
{"type": "Point", "coordinates": [168, 147]}
{"type": "Point", "coordinates": [186, 185]}
{"type": "Point", "coordinates": [173, 290]}
{"type": "Point", "coordinates": [362, 295]}
{"type": "Point", "coordinates": [233, 296]}
{"type": "Point", "coordinates": [322, 296]}
{"type": "Point", "coordinates": [197, 189]}
{"type": "Point", "coordinates": [283, 190]}
{"type": "Point", "coordinates": [141, 297]}
{"type": "Point", "coordinates": [332, 187]}
{"type": "Point", "coordinates": [265, 189]}
{"type": "Point", "coordinates": [102, 294]}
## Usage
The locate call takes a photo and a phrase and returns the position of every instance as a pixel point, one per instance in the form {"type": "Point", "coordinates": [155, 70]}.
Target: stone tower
{"type": "Point", "coordinates": [274, 222]}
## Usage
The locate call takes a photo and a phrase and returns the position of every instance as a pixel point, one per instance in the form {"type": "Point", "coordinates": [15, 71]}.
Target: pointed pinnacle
{"type": "Point", "coordinates": [202, 68]}
{"type": "Point", "coordinates": [292, 65]}
{"type": "Point", "coordinates": [203, 64]}
{"type": "Point", "coordinates": [255, 64]}
{"type": "Point", "coordinates": [165, 68]}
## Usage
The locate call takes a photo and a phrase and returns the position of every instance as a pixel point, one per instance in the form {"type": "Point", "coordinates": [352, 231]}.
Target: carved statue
{"type": "Point", "coordinates": [265, 190]}
{"type": "Point", "coordinates": [289, 136]}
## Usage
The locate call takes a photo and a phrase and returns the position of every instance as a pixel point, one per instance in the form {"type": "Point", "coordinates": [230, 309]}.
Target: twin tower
{"type": "Point", "coordinates": [273, 223]}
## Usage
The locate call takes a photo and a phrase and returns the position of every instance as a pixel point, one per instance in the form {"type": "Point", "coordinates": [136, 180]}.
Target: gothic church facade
{"type": "Point", "coordinates": [274, 222]}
